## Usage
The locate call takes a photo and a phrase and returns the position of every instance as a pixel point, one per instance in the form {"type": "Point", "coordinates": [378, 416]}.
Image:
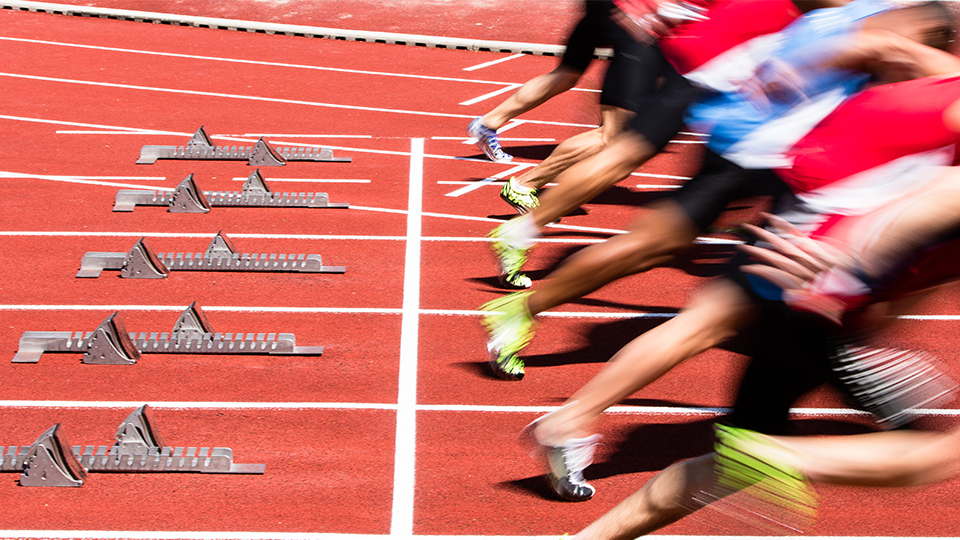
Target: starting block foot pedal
{"type": "Point", "coordinates": [199, 147]}
{"type": "Point", "coordinates": [110, 344]}
{"type": "Point", "coordinates": [50, 462]}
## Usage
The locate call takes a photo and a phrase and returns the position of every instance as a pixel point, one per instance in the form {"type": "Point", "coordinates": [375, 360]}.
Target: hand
{"type": "Point", "coordinates": [814, 275]}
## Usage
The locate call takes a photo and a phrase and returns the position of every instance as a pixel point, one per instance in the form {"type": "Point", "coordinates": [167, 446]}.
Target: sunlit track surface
{"type": "Point", "coordinates": [396, 430]}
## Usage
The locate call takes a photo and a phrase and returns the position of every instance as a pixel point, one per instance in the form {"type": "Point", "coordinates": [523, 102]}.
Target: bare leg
{"type": "Point", "coordinates": [578, 147]}
{"type": "Point", "coordinates": [666, 498]}
{"type": "Point", "coordinates": [887, 459]}
{"type": "Point", "coordinates": [533, 93]}
{"type": "Point", "coordinates": [711, 319]}
{"type": "Point", "coordinates": [653, 239]}
{"type": "Point", "coordinates": [590, 177]}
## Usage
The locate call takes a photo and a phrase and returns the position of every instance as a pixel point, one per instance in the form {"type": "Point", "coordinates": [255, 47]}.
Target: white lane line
{"type": "Point", "coordinates": [240, 139]}
{"type": "Point", "coordinates": [312, 180]}
{"type": "Point", "coordinates": [309, 405]}
{"type": "Point", "coordinates": [226, 535]}
{"type": "Point", "coordinates": [504, 139]}
{"type": "Point", "coordinates": [489, 95]}
{"type": "Point", "coordinates": [404, 475]}
{"type": "Point", "coordinates": [302, 136]}
{"type": "Point", "coordinates": [494, 62]}
{"type": "Point", "coordinates": [82, 177]}
{"type": "Point", "coordinates": [243, 97]}
{"type": "Point", "coordinates": [386, 311]}
{"type": "Point", "coordinates": [79, 180]}
{"type": "Point", "coordinates": [489, 180]}
{"type": "Point", "coordinates": [255, 62]}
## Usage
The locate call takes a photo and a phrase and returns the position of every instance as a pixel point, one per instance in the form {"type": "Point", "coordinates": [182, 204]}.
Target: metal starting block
{"type": "Point", "coordinates": [200, 147]}
{"type": "Point", "coordinates": [187, 198]}
{"type": "Point", "coordinates": [111, 344]}
{"type": "Point", "coordinates": [50, 461]}
{"type": "Point", "coordinates": [221, 256]}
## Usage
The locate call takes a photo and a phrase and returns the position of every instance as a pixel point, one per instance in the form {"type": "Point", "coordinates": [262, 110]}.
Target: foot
{"type": "Point", "coordinates": [565, 464]}
{"type": "Point", "coordinates": [510, 328]}
{"type": "Point", "coordinates": [510, 261]}
{"type": "Point", "coordinates": [488, 141]}
{"type": "Point", "coordinates": [521, 201]}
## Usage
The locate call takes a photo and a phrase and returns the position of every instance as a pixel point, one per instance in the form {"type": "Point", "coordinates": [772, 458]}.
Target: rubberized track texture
{"type": "Point", "coordinates": [396, 430]}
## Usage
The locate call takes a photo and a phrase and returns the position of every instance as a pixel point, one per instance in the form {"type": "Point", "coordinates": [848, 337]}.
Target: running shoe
{"type": "Point", "coordinates": [521, 201]}
{"type": "Point", "coordinates": [565, 464]}
{"type": "Point", "coordinates": [510, 261]}
{"type": "Point", "coordinates": [774, 490]}
{"type": "Point", "coordinates": [488, 141]}
{"type": "Point", "coordinates": [510, 327]}
{"type": "Point", "coordinates": [891, 384]}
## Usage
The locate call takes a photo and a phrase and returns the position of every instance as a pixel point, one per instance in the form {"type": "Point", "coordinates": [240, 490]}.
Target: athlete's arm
{"type": "Point", "coordinates": [891, 57]}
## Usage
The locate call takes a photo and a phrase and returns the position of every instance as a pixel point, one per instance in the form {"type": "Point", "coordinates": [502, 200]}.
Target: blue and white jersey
{"type": "Point", "coordinates": [757, 133]}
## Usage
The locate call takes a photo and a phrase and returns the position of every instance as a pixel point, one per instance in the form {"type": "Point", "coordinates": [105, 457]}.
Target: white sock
{"type": "Point", "coordinates": [514, 185]}
{"type": "Point", "coordinates": [520, 231]}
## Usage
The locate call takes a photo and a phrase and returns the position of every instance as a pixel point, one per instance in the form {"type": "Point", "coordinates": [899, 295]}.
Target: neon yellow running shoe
{"type": "Point", "coordinates": [510, 261]}
{"type": "Point", "coordinates": [521, 201]}
{"type": "Point", "coordinates": [510, 327]}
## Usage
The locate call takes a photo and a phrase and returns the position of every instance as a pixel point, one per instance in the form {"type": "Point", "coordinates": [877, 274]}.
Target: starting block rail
{"type": "Point", "coordinates": [221, 256]}
{"type": "Point", "coordinates": [188, 198]}
{"type": "Point", "coordinates": [200, 147]}
{"type": "Point", "coordinates": [51, 461]}
{"type": "Point", "coordinates": [111, 344]}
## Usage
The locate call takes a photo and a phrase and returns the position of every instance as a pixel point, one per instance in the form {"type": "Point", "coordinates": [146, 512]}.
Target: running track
{"type": "Point", "coordinates": [395, 430]}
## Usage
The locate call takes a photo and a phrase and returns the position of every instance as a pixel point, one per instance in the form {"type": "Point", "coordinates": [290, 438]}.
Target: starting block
{"type": "Point", "coordinates": [187, 198]}
{"type": "Point", "coordinates": [50, 461]}
{"type": "Point", "coordinates": [111, 344]}
{"type": "Point", "coordinates": [200, 147]}
{"type": "Point", "coordinates": [221, 256]}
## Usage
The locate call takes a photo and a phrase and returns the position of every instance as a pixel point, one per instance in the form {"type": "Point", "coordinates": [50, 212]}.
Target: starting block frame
{"type": "Point", "coordinates": [142, 262]}
{"type": "Point", "coordinates": [200, 147]}
{"type": "Point", "coordinates": [189, 199]}
{"type": "Point", "coordinates": [51, 461]}
{"type": "Point", "coordinates": [111, 344]}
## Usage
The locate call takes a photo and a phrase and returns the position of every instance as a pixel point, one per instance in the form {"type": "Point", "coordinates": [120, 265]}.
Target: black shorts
{"type": "Point", "coordinates": [632, 72]}
{"type": "Point", "coordinates": [720, 183]}
{"type": "Point", "coordinates": [661, 105]}
{"type": "Point", "coordinates": [791, 359]}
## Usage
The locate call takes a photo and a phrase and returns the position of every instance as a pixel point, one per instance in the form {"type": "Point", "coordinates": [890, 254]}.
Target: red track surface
{"type": "Point", "coordinates": [326, 427]}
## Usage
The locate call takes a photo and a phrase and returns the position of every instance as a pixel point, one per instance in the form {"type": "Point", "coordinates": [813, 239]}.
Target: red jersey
{"type": "Point", "coordinates": [874, 128]}
{"type": "Point", "coordinates": [729, 23]}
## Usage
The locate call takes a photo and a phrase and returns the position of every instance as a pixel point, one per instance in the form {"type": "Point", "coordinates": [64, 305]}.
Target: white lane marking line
{"type": "Point", "coordinates": [488, 181]}
{"type": "Point", "coordinates": [285, 405]}
{"type": "Point", "coordinates": [239, 139]}
{"type": "Point", "coordinates": [255, 62]}
{"type": "Point", "coordinates": [404, 475]}
{"type": "Point", "coordinates": [302, 136]}
{"type": "Point", "coordinates": [489, 95]}
{"type": "Point", "coordinates": [388, 311]}
{"type": "Point", "coordinates": [494, 62]}
{"type": "Point", "coordinates": [311, 180]}
{"type": "Point", "coordinates": [244, 97]}
{"type": "Point", "coordinates": [507, 139]}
